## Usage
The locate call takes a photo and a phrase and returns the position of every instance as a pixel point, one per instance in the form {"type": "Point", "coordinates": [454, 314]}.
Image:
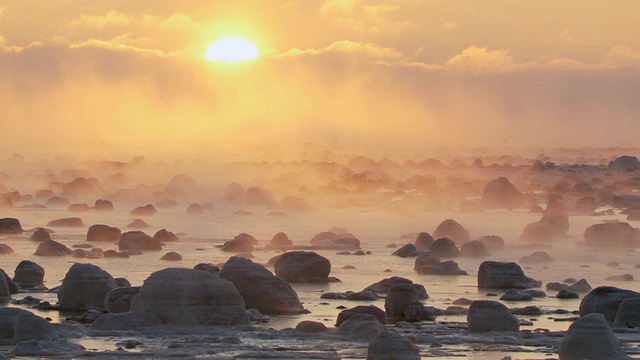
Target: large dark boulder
{"type": "Point", "coordinates": [445, 248]}
{"type": "Point", "coordinates": [591, 337]}
{"type": "Point", "coordinates": [67, 222]}
{"type": "Point", "coordinates": [390, 345]}
{"type": "Point", "coordinates": [190, 297]}
{"type": "Point", "coordinates": [504, 275]}
{"type": "Point", "coordinates": [302, 266]}
{"type": "Point", "coordinates": [379, 314]}
{"type": "Point", "coordinates": [101, 232]}
{"type": "Point", "coordinates": [605, 300]}
{"type": "Point", "coordinates": [259, 288]}
{"type": "Point", "coordinates": [28, 274]}
{"type": "Point", "coordinates": [625, 163]}
{"type": "Point", "coordinates": [85, 287]}
{"type": "Point", "coordinates": [52, 248]}
{"type": "Point", "coordinates": [10, 226]}
{"type": "Point", "coordinates": [486, 315]}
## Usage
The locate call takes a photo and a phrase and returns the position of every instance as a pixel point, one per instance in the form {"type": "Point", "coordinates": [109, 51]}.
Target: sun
{"type": "Point", "coordinates": [232, 50]}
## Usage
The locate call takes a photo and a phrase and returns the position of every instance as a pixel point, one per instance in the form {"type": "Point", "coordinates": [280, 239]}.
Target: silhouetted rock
{"type": "Point", "coordinates": [500, 193]}
{"type": "Point", "coordinates": [238, 245]}
{"type": "Point", "coordinates": [486, 315]}
{"type": "Point", "coordinates": [591, 337]}
{"type": "Point", "coordinates": [67, 222]}
{"type": "Point", "coordinates": [625, 163]}
{"type": "Point", "coordinates": [80, 186]}
{"type": "Point", "coordinates": [628, 314]}
{"type": "Point", "coordinates": [78, 208]}
{"type": "Point", "coordinates": [28, 274]}
{"type": "Point", "coordinates": [190, 297]}
{"type": "Point", "coordinates": [99, 232]}
{"type": "Point", "coordinates": [443, 268]}
{"type": "Point", "coordinates": [119, 299]}
{"type": "Point", "coordinates": [424, 241]}
{"type": "Point", "coordinates": [259, 288]}
{"type": "Point", "coordinates": [492, 242]}
{"type": "Point", "coordinates": [194, 209]}
{"type": "Point", "coordinates": [616, 234]}
{"type": "Point", "coordinates": [310, 327]}
{"type": "Point", "coordinates": [138, 240]}
{"type": "Point", "coordinates": [10, 226]}
{"type": "Point", "coordinates": [390, 345]}
{"type": "Point", "coordinates": [408, 250]}
{"type": "Point", "coordinates": [207, 267]}
{"type": "Point", "coordinates": [103, 205]}
{"type": "Point", "coordinates": [6, 249]}
{"type": "Point", "coordinates": [378, 313]}
{"type": "Point", "coordinates": [52, 248]}
{"type": "Point", "coordinates": [474, 248]}
{"type": "Point", "coordinates": [383, 286]}
{"type": "Point", "coordinates": [453, 230]}
{"type": "Point", "coordinates": [605, 300]}
{"type": "Point", "coordinates": [138, 224]}
{"type": "Point", "coordinates": [360, 327]}
{"type": "Point", "coordinates": [426, 258]}
{"type": "Point", "coordinates": [445, 248]}
{"type": "Point", "coordinates": [164, 235]}
{"type": "Point", "coordinates": [171, 256]}
{"type": "Point", "coordinates": [504, 275]}
{"type": "Point", "coordinates": [85, 287]}
{"type": "Point", "coordinates": [279, 240]}
{"type": "Point", "coordinates": [538, 257]}
{"type": "Point", "coordinates": [29, 327]}
{"type": "Point", "coordinates": [302, 266]}
{"type": "Point", "coordinates": [40, 234]}
{"type": "Point", "coordinates": [146, 210]}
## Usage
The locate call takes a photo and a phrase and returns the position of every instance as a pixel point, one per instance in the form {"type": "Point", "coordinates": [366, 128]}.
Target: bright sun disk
{"type": "Point", "coordinates": [232, 50]}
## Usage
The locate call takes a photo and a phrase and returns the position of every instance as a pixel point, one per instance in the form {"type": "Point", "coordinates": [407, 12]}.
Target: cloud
{"type": "Point", "coordinates": [369, 50]}
{"type": "Point", "coordinates": [623, 55]}
{"type": "Point", "coordinates": [484, 60]}
{"type": "Point", "coordinates": [122, 42]}
{"type": "Point", "coordinates": [111, 18]}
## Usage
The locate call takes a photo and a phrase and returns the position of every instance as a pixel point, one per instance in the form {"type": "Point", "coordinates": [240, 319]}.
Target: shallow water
{"type": "Point", "coordinates": [375, 229]}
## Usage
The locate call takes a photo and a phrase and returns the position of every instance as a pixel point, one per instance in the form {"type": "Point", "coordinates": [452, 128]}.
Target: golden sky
{"type": "Point", "coordinates": [129, 77]}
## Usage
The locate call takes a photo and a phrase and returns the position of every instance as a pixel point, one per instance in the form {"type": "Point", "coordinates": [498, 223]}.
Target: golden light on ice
{"type": "Point", "coordinates": [231, 49]}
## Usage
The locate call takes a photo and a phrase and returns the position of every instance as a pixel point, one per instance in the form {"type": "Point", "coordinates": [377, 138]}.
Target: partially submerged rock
{"type": "Point", "coordinates": [138, 240]}
{"type": "Point", "coordinates": [613, 234]}
{"type": "Point", "coordinates": [504, 275]}
{"type": "Point", "coordinates": [451, 229]}
{"type": "Point", "coordinates": [605, 300]}
{"type": "Point", "coordinates": [302, 266]}
{"type": "Point", "coordinates": [501, 193]}
{"type": "Point", "coordinates": [85, 287]}
{"type": "Point", "coordinates": [67, 222]}
{"type": "Point", "coordinates": [10, 226]}
{"type": "Point", "coordinates": [100, 232]}
{"type": "Point", "coordinates": [259, 288]}
{"type": "Point", "coordinates": [486, 315]}
{"type": "Point", "coordinates": [190, 297]}
{"type": "Point", "coordinates": [28, 274]}
{"type": "Point", "coordinates": [383, 286]}
{"type": "Point", "coordinates": [591, 337]}
{"type": "Point", "coordinates": [390, 345]}
{"type": "Point", "coordinates": [52, 248]}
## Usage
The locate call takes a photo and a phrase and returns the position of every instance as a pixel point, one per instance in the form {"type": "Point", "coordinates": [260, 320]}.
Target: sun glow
{"type": "Point", "coordinates": [232, 50]}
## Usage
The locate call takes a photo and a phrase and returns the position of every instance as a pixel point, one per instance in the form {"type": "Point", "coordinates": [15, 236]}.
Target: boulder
{"type": "Point", "coordinates": [492, 242]}
{"type": "Point", "coordinates": [99, 232]}
{"type": "Point", "coordinates": [408, 250]}
{"type": "Point", "coordinates": [614, 234]}
{"type": "Point", "coordinates": [28, 326]}
{"type": "Point", "coordinates": [171, 256]}
{"type": "Point", "coordinates": [28, 274]}
{"type": "Point", "coordinates": [398, 299]}
{"type": "Point", "coordinates": [78, 208]}
{"type": "Point", "coordinates": [125, 321]}
{"type": "Point", "coordinates": [10, 226]}
{"type": "Point", "coordinates": [625, 163]}
{"type": "Point", "coordinates": [364, 295]}
{"type": "Point", "coordinates": [238, 245]}
{"type": "Point", "coordinates": [164, 235]}
{"type": "Point", "coordinates": [138, 224]}
{"type": "Point", "coordinates": [302, 266]}
{"type": "Point", "coordinates": [539, 257]}
{"type": "Point", "coordinates": [146, 210]}
{"type": "Point", "coordinates": [103, 205]}
{"type": "Point", "coordinates": [13, 287]}
{"type": "Point", "coordinates": [453, 230]}
{"type": "Point", "coordinates": [85, 287]}
{"type": "Point", "coordinates": [605, 300]}
{"type": "Point", "coordinates": [426, 258]}
{"type": "Point", "coordinates": [259, 288]}
{"type": "Point", "coordinates": [40, 234]}
{"type": "Point", "coordinates": [194, 209]}
{"type": "Point", "coordinates": [7, 317]}
{"type": "Point", "coordinates": [443, 268]}
{"type": "Point", "coordinates": [138, 240]}
{"type": "Point", "coordinates": [445, 248]}
{"type": "Point", "coordinates": [565, 293]}
{"type": "Point", "coordinates": [474, 248]}
{"type": "Point", "coordinates": [280, 240]}
{"type": "Point", "coordinates": [191, 297]}
{"type": "Point", "coordinates": [207, 267]}
{"type": "Point", "coordinates": [504, 275]}
{"type": "Point", "coordinates": [5, 292]}
{"type": "Point", "coordinates": [111, 254]}
{"type": "Point", "coordinates": [246, 237]}
{"type": "Point", "coordinates": [515, 295]}
{"type": "Point", "coordinates": [66, 222]}
{"type": "Point", "coordinates": [6, 249]}
{"type": "Point", "coordinates": [378, 313]}
{"type": "Point", "coordinates": [390, 345]}
{"type": "Point", "coordinates": [308, 326]}
{"type": "Point", "coordinates": [42, 349]}
{"type": "Point", "coordinates": [416, 311]}
{"type": "Point", "coordinates": [423, 241]}
{"type": "Point", "coordinates": [486, 315]}
{"type": "Point", "coordinates": [591, 337]}
{"type": "Point", "coordinates": [360, 327]}
{"type": "Point", "coordinates": [118, 300]}
{"type": "Point", "coordinates": [80, 186]}
{"type": "Point", "coordinates": [52, 248]}
{"type": "Point", "coordinates": [581, 286]}
{"type": "Point", "coordinates": [383, 286]}
{"type": "Point", "coordinates": [628, 315]}
{"type": "Point", "coordinates": [501, 193]}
